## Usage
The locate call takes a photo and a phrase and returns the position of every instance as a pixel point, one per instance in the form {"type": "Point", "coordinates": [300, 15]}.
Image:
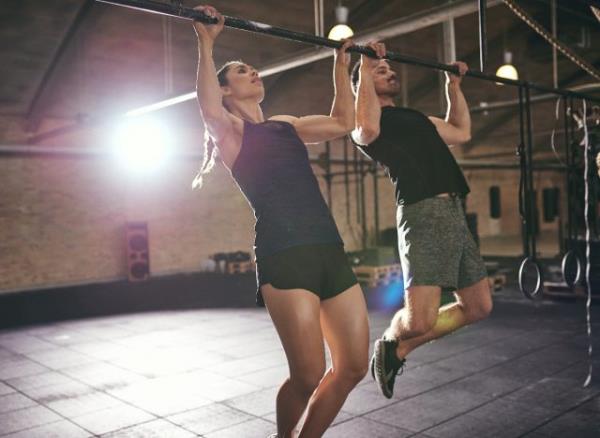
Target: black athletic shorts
{"type": "Point", "coordinates": [322, 269]}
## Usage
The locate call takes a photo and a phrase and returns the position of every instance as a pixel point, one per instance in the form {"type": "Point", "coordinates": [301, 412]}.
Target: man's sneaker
{"type": "Point", "coordinates": [386, 365]}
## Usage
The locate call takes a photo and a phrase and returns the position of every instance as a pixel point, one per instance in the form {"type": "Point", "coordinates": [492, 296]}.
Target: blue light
{"type": "Point", "coordinates": [387, 297]}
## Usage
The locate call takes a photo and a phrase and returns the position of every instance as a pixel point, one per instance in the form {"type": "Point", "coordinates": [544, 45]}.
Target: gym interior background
{"type": "Point", "coordinates": [69, 68]}
{"type": "Point", "coordinates": [89, 227]}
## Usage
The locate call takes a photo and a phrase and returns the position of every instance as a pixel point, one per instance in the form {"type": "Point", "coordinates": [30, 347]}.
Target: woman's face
{"type": "Point", "coordinates": [243, 83]}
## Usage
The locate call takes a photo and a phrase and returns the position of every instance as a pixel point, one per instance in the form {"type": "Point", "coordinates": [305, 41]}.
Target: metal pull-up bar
{"type": "Point", "coordinates": [179, 11]}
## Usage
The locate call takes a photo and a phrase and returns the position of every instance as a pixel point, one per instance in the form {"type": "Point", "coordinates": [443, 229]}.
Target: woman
{"type": "Point", "coordinates": [303, 274]}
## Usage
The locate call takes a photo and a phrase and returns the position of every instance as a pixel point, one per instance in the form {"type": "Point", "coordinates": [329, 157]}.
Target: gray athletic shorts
{"type": "Point", "coordinates": [435, 245]}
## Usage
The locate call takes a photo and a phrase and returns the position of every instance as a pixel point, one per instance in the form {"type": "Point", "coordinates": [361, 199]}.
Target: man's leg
{"type": "Point", "coordinates": [473, 298]}
{"type": "Point", "coordinates": [421, 321]}
{"type": "Point", "coordinates": [414, 325]}
{"type": "Point", "coordinates": [436, 248]}
{"type": "Point", "coordinates": [419, 314]}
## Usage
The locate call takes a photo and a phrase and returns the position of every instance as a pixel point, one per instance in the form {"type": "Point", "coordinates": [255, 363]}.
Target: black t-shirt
{"type": "Point", "coordinates": [416, 158]}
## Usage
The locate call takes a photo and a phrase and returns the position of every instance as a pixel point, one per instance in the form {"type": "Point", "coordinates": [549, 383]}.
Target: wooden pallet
{"type": "Point", "coordinates": [374, 276]}
{"type": "Point", "coordinates": [497, 282]}
{"type": "Point", "coordinates": [240, 267]}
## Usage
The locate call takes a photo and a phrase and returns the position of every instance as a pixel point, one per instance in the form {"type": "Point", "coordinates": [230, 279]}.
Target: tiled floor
{"type": "Point", "coordinates": [214, 373]}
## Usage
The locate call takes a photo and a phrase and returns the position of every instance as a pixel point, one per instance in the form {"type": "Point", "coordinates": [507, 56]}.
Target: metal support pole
{"type": "Point", "coordinates": [449, 41]}
{"type": "Point", "coordinates": [346, 179]}
{"type": "Point", "coordinates": [523, 197]}
{"type": "Point", "coordinates": [554, 51]}
{"type": "Point", "coordinates": [363, 207]}
{"type": "Point", "coordinates": [576, 213]}
{"type": "Point", "coordinates": [529, 180]}
{"type": "Point", "coordinates": [448, 55]}
{"type": "Point", "coordinates": [482, 35]}
{"type": "Point", "coordinates": [404, 84]}
{"type": "Point", "coordinates": [357, 197]}
{"type": "Point", "coordinates": [328, 173]}
{"type": "Point", "coordinates": [569, 175]}
{"type": "Point", "coordinates": [376, 203]}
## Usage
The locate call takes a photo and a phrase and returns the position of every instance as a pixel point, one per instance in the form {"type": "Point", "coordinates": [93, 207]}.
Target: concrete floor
{"type": "Point", "coordinates": [215, 373]}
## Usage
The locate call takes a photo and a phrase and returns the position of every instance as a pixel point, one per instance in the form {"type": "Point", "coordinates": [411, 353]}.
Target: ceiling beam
{"type": "Point", "coordinates": [485, 107]}
{"type": "Point", "coordinates": [391, 29]}
{"type": "Point", "coordinates": [366, 10]}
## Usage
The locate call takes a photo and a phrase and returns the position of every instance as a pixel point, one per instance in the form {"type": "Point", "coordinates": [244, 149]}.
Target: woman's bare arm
{"type": "Point", "coordinates": [319, 128]}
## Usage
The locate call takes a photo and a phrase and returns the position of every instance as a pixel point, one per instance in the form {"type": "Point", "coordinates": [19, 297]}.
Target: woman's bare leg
{"type": "Point", "coordinates": [296, 315]}
{"type": "Point", "coordinates": [345, 323]}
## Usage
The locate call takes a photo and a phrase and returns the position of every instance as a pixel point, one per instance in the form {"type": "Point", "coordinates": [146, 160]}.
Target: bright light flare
{"type": "Point", "coordinates": [340, 32]}
{"type": "Point", "coordinates": [141, 144]}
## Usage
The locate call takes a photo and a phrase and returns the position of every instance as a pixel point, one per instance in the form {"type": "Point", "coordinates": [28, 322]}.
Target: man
{"type": "Point", "coordinates": [437, 250]}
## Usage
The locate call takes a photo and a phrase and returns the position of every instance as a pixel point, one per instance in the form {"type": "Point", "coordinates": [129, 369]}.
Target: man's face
{"type": "Point", "coordinates": [385, 79]}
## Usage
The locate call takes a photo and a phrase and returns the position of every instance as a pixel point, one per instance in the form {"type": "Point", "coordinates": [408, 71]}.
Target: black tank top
{"type": "Point", "coordinates": [273, 172]}
{"type": "Point", "coordinates": [416, 158]}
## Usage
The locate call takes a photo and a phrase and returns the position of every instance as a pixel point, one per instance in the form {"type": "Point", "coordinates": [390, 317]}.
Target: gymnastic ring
{"type": "Point", "coordinates": [570, 255]}
{"type": "Point", "coordinates": [526, 264]}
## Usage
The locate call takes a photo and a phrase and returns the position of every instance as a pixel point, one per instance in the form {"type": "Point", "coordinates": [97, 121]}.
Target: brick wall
{"type": "Point", "coordinates": [62, 220]}
{"type": "Point", "coordinates": [508, 181]}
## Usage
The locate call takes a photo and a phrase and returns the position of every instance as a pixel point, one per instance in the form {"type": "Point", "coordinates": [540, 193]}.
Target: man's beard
{"type": "Point", "coordinates": [393, 91]}
{"type": "Point", "coordinates": [393, 88]}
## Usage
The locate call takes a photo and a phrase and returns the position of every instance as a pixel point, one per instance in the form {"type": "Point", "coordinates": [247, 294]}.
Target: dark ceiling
{"type": "Point", "coordinates": [64, 59]}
